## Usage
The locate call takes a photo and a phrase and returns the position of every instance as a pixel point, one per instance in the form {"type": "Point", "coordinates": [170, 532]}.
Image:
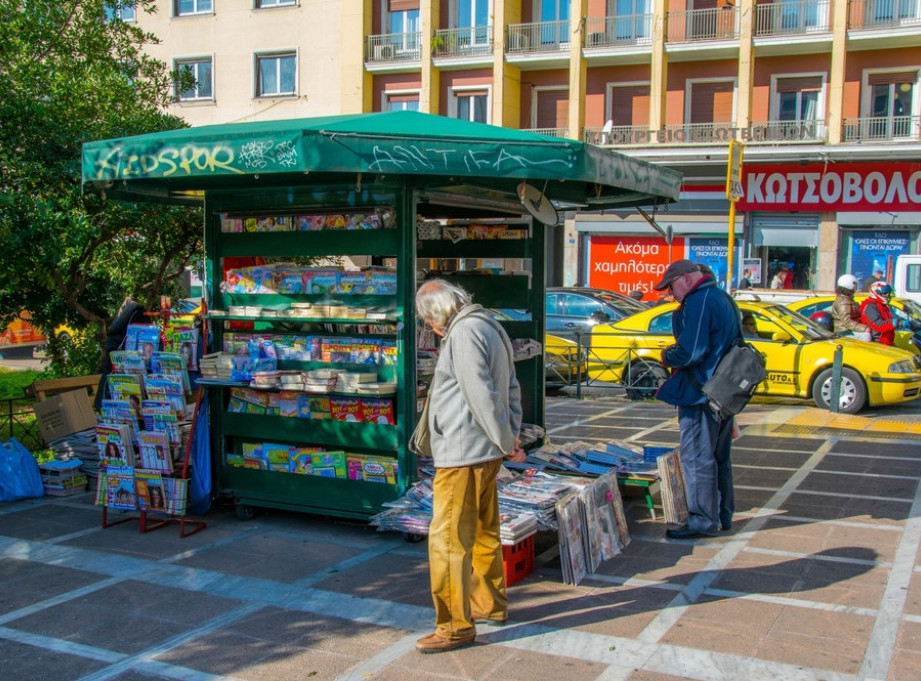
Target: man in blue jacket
{"type": "Point", "coordinates": [705, 326]}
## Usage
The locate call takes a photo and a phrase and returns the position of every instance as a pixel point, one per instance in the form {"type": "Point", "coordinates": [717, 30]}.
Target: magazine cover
{"type": "Point", "coordinates": [674, 495]}
{"type": "Point", "coordinates": [569, 517]}
{"type": "Point", "coordinates": [176, 492]}
{"type": "Point", "coordinates": [184, 341]}
{"type": "Point", "coordinates": [113, 441]}
{"type": "Point", "coordinates": [145, 338]}
{"type": "Point", "coordinates": [149, 489]}
{"type": "Point", "coordinates": [120, 491]}
{"type": "Point", "coordinates": [154, 451]}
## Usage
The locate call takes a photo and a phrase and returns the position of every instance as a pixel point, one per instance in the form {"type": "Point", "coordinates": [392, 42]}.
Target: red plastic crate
{"type": "Point", "coordinates": [518, 560]}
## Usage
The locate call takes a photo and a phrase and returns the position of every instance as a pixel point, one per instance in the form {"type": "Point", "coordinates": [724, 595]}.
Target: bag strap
{"type": "Point", "coordinates": [740, 341]}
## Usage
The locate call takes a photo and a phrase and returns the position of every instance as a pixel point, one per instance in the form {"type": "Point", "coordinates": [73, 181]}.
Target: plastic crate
{"type": "Point", "coordinates": [651, 452]}
{"type": "Point", "coordinates": [518, 560]}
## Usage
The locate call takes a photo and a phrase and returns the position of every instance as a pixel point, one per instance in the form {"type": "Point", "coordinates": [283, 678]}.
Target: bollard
{"type": "Point", "coordinates": [834, 399]}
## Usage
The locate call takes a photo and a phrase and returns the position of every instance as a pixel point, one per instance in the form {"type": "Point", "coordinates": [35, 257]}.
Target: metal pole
{"type": "Point", "coordinates": [834, 399]}
{"type": "Point", "coordinates": [579, 359]}
{"type": "Point", "coordinates": [731, 243]}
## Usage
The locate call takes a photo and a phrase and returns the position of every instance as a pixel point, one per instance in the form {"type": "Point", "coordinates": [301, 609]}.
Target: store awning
{"type": "Point", "coordinates": [179, 164]}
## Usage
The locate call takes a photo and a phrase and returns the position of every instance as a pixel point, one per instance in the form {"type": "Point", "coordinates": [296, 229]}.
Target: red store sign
{"type": "Point", "coordinates": [832, 187]}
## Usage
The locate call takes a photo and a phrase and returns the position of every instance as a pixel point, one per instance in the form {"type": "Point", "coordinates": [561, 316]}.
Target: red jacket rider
{"type": "Point", "coordinates": [875, 313]}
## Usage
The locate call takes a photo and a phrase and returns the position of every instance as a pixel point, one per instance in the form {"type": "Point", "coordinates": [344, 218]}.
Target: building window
{"type": "Point", "coordinates": [200, 70]}
{"type": "Point", "coordinates": [470, 105]}
{"type": "Point", "coordinates": [629, 112]}
{"type": "Point", "coordinates": [261, 4]}
{"type": "Point", "coordinates": [401, 101]}
{"type": "Point", "coordinates": [890, 102]}
{"type": "Point", "coordinates": [183, 7]}
{"type": "Point", "coordinates": [276, 75]}
{"type": "Point", "coordinates": [123, 11]}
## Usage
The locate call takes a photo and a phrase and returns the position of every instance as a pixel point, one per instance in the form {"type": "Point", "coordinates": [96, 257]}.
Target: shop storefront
{"type": "Point", "coordinates": [816, 219]}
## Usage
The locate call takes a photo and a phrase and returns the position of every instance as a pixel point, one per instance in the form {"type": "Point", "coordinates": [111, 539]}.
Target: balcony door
{"type": "Point", "coordinates": [551, 110]}
{"type": "Point", "coordinates": [711, 110]}
{"type": "Point", "coordinates": [799, 107]}
{"type": "Point", "coordinates": [632, 19]}
{"type": "Point", "coordinates": [891, 104]}
{"type": "Point", "coordinates": [403, 21]}
{"type": "Point", "coordinates": [473, 16]}
{"type": "Point", "coordinates": [554, 17]}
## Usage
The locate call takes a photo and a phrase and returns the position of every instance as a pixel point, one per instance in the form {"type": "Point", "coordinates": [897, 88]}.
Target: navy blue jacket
{"type": "Point", "coordinates": [705, 326]}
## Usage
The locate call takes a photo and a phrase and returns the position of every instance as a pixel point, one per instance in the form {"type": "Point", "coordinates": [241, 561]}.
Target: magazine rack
{"type": "Point", "coordinates": [162, 519]}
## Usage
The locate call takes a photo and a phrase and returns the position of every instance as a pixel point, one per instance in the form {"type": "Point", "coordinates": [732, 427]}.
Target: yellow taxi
{"type": "Point", "coordinates": [798, 352]}
{"type": "Point", "coordinates": [906, 313]}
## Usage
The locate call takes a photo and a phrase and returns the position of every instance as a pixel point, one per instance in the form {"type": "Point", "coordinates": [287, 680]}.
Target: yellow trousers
{"type": "Point", "coordinates": [465, 551]}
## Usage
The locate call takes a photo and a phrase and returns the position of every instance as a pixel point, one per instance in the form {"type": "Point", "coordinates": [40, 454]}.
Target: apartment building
{"type": "Point", "coordinates": [825, 96]}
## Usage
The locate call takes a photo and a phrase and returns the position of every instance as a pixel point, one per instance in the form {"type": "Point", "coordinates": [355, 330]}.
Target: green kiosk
{"type": "Point", "coordinates": [317, 233]}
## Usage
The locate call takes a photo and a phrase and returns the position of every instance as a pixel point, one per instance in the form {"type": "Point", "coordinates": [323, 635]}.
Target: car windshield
{"type": "Point", "coordinates": [912, 309]}
{"type": "Point", "coordinates": [804, 325]}
{"type": "Point", "coordinates": [624, 303]}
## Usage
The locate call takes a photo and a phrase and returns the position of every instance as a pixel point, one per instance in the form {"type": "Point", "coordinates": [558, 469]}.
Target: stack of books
{"type": "Point", "coordinates": [216, 365]}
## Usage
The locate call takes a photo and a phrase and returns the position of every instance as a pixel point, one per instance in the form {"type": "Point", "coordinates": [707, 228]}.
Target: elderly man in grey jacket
{"type": "Point", "coordinates": [474, 420]}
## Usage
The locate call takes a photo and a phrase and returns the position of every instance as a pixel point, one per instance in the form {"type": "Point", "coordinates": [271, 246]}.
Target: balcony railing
{"type": "Point", "coordinates": [761, 132]}
{"type": "Point", "coordinates": [881, 129]}
{"type": "Point", "coordinates": [550, 132]}
{"type": "Point", "coordinates": [542, 36]}
{"type": "Point", "coordinates": [772, 132]}
{"type": "Point", "coordinates": [393, 47]}
{"type": "Point", "coordinates": [877, 14]}
{"type": "Point", "coordinates": [631, 29]}
{"type": "Point", "coordinates": [470, 41]}
{"type": "Point", "coordinates": [792, 18]}
{"type": "Point", "coordinates": [698, 25]}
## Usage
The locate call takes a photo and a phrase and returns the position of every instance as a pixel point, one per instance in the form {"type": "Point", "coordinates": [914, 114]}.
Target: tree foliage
{"type": "Point", "coordinates": [68, 76]}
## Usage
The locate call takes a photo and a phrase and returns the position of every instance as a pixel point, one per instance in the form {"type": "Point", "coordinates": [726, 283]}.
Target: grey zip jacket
{"type": "Point", "coordinates": [475, 398]}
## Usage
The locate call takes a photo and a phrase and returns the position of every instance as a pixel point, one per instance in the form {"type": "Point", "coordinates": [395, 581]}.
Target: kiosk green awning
{"type": "Point", "coordinates": [175, 164]}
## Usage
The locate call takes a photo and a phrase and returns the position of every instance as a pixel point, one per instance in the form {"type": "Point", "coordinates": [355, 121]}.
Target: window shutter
{"type": "Point", "coordinates": [799, 84]}
{"type": "Point", "coordinates": [630, 105]}
{"type": "Point", "coordinates": [711, 102]}
{"type": "Point", "coordinates": [552, 109]}
{"type": "Point", "coordinates": [403, 5]}
{"type": "Point", "coordinates": [892, 78]}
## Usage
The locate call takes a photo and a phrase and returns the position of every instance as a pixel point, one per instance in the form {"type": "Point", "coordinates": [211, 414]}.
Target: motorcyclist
{"type": "Point", "coordinates": [845, 311]}
{"type": "Point", "coordinates": [876, 314]}
{"type": "Point", "coordinates": [824, 320]}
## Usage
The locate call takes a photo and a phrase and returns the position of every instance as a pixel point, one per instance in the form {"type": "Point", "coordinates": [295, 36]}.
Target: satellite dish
{"type": "Point", "coordinates": [537, 204]}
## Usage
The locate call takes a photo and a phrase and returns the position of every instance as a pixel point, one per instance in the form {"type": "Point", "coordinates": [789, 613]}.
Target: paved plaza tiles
{"type": "Point", "coordinates": [817, 580]}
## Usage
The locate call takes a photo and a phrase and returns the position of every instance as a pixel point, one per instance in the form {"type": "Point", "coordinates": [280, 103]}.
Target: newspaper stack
{"type": "Point", "coordinates": [674, 495]}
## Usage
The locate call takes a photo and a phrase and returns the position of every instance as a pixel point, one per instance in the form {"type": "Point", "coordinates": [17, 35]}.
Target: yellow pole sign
{"type": "Point", "coordinates": [734, 192]}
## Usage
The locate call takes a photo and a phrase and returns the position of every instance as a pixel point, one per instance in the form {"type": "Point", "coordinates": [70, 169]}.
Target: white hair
{"type": "Point", "coordinates": [438, 300]}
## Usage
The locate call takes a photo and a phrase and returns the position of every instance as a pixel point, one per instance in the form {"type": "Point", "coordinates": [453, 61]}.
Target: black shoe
{"type": "Point", "coordinates": [684, 533]}
{"type": "Point", "coordinates": [725, 527]}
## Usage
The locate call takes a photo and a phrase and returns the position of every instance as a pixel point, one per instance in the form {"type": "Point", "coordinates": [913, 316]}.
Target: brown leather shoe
{"type": "Point", "coordinates": [434, 643]}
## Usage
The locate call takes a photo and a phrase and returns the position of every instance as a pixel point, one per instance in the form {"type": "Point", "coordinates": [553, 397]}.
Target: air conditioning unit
{"type": "Point", "coordinates": [595, 40]}
{"type": "Point", "coordinates": [383, 52]}
{"type": "Point", "coordinates": [517, 42]}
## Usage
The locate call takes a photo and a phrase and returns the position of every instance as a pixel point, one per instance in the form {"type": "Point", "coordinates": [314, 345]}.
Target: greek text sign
{"type": "Point", "coordinates": [835, 186]}
{"type": "Point", "coordinates": [627, 263]}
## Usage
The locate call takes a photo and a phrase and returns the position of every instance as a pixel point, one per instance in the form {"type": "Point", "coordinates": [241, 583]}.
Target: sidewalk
{"type": "Point", "coordinates": [816, 581]}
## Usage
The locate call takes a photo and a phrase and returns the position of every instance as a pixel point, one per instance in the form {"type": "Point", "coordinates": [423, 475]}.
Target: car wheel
{"type": "Point", "coordinates": [853, 395]}
{"type": "Point", "coordinates": [642, 379]}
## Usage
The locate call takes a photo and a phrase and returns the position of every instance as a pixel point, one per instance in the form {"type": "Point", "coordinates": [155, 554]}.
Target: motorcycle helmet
{"type": "Point", "coordinates": [881, 290]}
{"type": "Point", "coordinates": [823, 319]}
{"type": "Point", "coordinates": [848, 281]}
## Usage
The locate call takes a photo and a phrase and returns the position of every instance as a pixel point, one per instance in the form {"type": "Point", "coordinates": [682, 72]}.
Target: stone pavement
{"type": "Point", "coordinates": [818, 580]}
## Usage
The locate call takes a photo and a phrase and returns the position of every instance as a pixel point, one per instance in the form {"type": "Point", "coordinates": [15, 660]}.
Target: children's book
{"type": "Point", "coordinates": [343, 408]}
{"type": "Point", "coordinates": [377, 410]}
{"type": "Point", "coordinates": [120, 490]}
{"type": "Point", "coordinates": [300, 460]}
{"type": "Point", "coordinates": [277, 456]}
{"type": "Point", "coordinates": [154, 451]}
{"type": "Point", "coordinates": [329, 464]}
{"type": "Point", "coordinates": [372, 468]}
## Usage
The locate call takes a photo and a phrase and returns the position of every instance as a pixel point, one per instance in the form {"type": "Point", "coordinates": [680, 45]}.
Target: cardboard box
{"type": "Point", "coordinates": [65, 414]}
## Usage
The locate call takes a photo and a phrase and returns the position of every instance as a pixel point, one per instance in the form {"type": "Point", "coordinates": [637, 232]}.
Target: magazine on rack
{"type": "Point", "coordinates": [154, 451]}
{"type": "Point", "coordinates": [572, 546]}
{"type": "Point", "coordinates": [120, 491]}
{"type": "Point", "coordinates": [113, 441]}
{"type": "Point", "coordinates": [149, 487]}
{"type": "Point", "coordinates": [674, 495]}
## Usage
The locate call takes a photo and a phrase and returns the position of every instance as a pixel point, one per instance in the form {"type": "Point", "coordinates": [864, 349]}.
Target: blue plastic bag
{"type": "Point", "coordinates": [19, 474]}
